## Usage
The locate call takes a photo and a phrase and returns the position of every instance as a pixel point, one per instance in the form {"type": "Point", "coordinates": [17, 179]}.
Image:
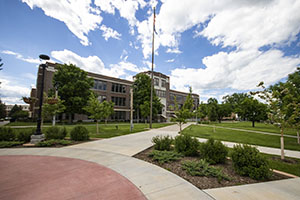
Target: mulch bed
{"type": "Point", "coordinates": [205, 182]}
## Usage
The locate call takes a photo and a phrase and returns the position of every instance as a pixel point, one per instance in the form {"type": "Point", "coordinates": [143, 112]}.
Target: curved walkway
{"type": "Point", "coordinates": [154, 182]}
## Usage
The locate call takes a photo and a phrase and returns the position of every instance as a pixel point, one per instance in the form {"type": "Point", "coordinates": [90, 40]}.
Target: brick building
{"type": "Point", "coordinates": [118, 91]}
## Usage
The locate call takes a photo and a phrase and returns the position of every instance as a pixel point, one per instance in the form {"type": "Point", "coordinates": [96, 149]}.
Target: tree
{"type": "Point", "coordinates": [52, 109]}
{"type": "Point", "coordinates": [223, 110]}
{"type": "Point", "coordinates": [185, 112]}
{"type": "Point", "coordinates": [17, 113]}
{"type": "Point", "coordinates": [74, 88]}
{"type": "Point", "coordinates": [142, 93]}
{"type": "Point", "coordinates": [212, 111]}
{"type": "Point", "coordinates": [2, 110]}
{"type": "Point", "coordinates": [252, 110]}
{"type": "Point", "coordinates": [235, 100]}
{"type": "Point", "coordinates": [202, 111]}
{"type": "Point", "coordinates": [99, 110]}
{"type": "Point", "coordinates": [14, 109]}
{"type": "Point", "coordinates": [145, 110]}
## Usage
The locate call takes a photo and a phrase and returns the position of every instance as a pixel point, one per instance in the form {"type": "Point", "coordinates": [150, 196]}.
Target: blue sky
{"type": "Point", "coordinates": [217, 47]}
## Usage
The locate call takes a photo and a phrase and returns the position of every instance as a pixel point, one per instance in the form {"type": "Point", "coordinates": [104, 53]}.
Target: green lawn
{"type": "Point", "coordinates": [110, 130]}
{"type": "Point", "coordinates": [241, 137]}
{"type": "Point", "coordinates": [258, 127]}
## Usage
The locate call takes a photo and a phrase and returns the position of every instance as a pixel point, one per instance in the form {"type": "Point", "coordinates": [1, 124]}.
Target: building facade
{"type": "Point", "coordinates": [118, 91]}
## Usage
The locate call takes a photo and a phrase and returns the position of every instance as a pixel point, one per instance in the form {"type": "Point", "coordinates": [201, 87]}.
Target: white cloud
{"type": "Point", "coordinates": [11, 91]}
{"type": "Point", "coordinates": [175, 50]}
{"type": "Point", "coordinates": [109, 33]}
{"type": "Point", "coordinates": [239, 70]}
{"type": "Point", "coordinates": [95, 64]}
{"type": "Point", "coordinates": [171, 60]}
{"type": "Point", "coordinates": [21, 57]}
{"type": "Point", "coordinates": [79, 16]}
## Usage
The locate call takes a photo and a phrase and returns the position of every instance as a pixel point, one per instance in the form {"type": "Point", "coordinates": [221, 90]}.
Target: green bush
{"type": "Point", "coordinates": [247, 161]}
{"type": "Point", "coordinates": [186, 145]}
{"type": "Point", "coordinates": [213, 151]}
{"type": "Point", "coordinates": [55, 132]}
{"type": "Point", "coordinates": [162, 143]}
{"type": "Point", "coordinates": [165, 156]}
{"type": "Point", "coordinates": [202, 168]}
{"type": "Point", "coordinates": [79, 133]}
{"type": "Point", "coordinates": [7, 144]}
{"type": "Point", "coordinates": [7, 134]}
{"type": "Point", "coordinates": [53, 142]}
{"type": "Point", "coordinates": [25, 135]}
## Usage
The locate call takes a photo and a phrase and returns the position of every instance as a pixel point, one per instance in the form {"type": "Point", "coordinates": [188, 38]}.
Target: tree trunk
{"type": "Point", "coordinates": [138, 115]}
{"type": "Point", "coordinates": [105, 122]}
{"type": "Point", "coordinates": [214, 129]}
{"type": "Point", "coordinates": [70, 118]}
{"type": "Point", "coordinates": [180, 127]}
{"type": "Point", "coordinates": [298, 137]}
{"type": "Point", "coordinates": [53, 120]}
{"type": "Point", "coordinates": [282, 144]}
{"type": "Point", "coordinates": [97, 126]}
{"type": "Point", "coordinates": [253, 123]}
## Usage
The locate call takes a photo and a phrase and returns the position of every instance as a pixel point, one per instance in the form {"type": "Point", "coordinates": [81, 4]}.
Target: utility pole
{"type": "Point", "coordinates": [151, 98]}
{"type": "Point", "coordinates": [131, 109]}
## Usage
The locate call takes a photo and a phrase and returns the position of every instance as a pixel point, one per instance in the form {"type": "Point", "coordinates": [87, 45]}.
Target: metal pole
{"type": "Point", "coordinates": [151, 98]}
{"type": "Point", "coordinates": [39, 120]}
{"type": "Point", "coordinates": [131, 109]}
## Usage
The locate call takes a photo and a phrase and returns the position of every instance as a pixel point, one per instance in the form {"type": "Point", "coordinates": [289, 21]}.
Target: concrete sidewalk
{"type": "Point", "coordinates": [154, 182]}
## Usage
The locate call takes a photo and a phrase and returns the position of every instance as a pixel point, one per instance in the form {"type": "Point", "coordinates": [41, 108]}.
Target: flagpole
{"type": "Point", "coordinates": [151, 98]}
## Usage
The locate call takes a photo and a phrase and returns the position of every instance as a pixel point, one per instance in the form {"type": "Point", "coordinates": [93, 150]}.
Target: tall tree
{"type": "Point", "coordinates": [74, 88]}
{"type": "Point", "coordinates": [223, 110]}
{"type": "Point", "coordinates": [235, 100]}
{"type": "Point", "coordinates": [185, 112]}
{"type": "Point", "coordinates": [202, 111]}
{"type": "Point", "coordinates": [212, 111]}
{"type": "Point", "coordinates": [145, 110]}
{"type": "Point", "coordinates": [252, 110]}
{"type": "Point", "coordinates": [141, 94]}
{"type": "Point", "coordinates": [99, 110]}
{"type": "Point", "coordinates": [2, 110]}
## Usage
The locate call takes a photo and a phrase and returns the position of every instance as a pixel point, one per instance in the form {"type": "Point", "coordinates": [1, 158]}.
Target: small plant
{"type": "Point", "coordinates": [50, 143]}
{"type": "Point", "coordinates": [247, 161]}
{"type": "Point", "coordinates": [164, 156]}
{"type": "Point", "coordinates": [7, 144]}
{"type": "Point", "coordinates": [202, 168]}
{"type": "Point", "coordinates": [55, 133]}
{"type": "Point", "coordinates": [79, 133]}
{"type": "Point", "coordinates": [25, 135]}
{"type": "Point", "coordinates": [213, 151]}
{"type": "Point", "coordinates": [186, 145]}
{"type": "Point", "coordinates": [7, 134]}
{"type": "Point", "coordinates": [162, 143]}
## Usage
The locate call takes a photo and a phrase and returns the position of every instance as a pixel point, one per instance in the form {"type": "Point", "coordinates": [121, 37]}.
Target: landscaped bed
{"type": "Point", "coordinates": [204, 182]}
{"type": "Point", "coordinates": [207, 165]}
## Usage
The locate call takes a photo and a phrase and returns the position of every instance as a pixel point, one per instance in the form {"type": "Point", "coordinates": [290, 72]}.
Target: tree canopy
{"type": "Point", "coordinates": [73, 87]}
{"type": "Point", "coordinates": [142, 95]}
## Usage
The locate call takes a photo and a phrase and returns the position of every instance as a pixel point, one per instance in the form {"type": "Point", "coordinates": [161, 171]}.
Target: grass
{"type": "Point", "coordinates": [258, 127]}
{"type": "Point", "coordinates": [291, 168]}
{"type": "Point", "coordinates": [110, 130]}
{"type": "Point", "coordinates": [241, 137]}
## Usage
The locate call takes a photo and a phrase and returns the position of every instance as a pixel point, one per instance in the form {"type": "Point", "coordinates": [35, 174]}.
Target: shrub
{"type": "Point", "coordinates": [165, 156]}
{"type": "Point", "coordinates": [202, 168]}
{"type": "Point", "coordinates": [247, 161]}
{"type": "Point", "coordinates": [186, 145]}
{"type": "Point", "coordinates": [7, 134]}
{"type": "Point", "coordinates": [55, 133]}
{"type": "Point", "coordinates": [213, 151]}
{"type": "Point", "coordinates": [6, 144]}
{"type": "Point", "coordinates": [25, 135]}
{"type": "Point", "coordinates": [162, 143]}
{"type": "Point", "coordinates": [50, 143]}
{"type": "Point", "coordinates": [79, 133]}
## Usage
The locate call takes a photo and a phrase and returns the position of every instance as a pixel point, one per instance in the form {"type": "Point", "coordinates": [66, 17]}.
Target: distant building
{"type": "Point", "coordinates": [118, 91]}
{"type": "Point", "coordinates": [10, 106]}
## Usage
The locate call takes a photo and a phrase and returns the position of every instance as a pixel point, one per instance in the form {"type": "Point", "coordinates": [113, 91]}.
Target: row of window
{"type": "Point", "coordinates": [119, 101]}
{"type": "Point", "coordinates": [161, 93]}
{"type": "Point", "coordinates": [102, 85]}
{"type": "Point", "coordinates": [163, 82]}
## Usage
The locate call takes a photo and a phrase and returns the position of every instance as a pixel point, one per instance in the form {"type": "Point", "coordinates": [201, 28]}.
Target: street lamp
{"type": "Point", "coordinates": [38, 136]}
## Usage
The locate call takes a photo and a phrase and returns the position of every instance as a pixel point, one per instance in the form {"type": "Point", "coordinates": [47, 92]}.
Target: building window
{"type": "Point", "coordinates": [118, 88]}
{"type": "Point", "coordinates": [163, 83]}
{"type": "Point", "coordinates": [99, 85]}
{"type": "Point", "coordinates": [119, 101]}
{"type": "Point", "coordinates": [161, 93]}
{"type": "Point", "coordinates": [172, 97]}
{"type": "Point", "coordinates": [156, 81]}
{"type": "Point", "coordinates": [101, 98]}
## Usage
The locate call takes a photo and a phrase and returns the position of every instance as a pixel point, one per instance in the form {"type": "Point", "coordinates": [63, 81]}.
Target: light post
{"type": "Point", "coordinates": [38, 136]}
